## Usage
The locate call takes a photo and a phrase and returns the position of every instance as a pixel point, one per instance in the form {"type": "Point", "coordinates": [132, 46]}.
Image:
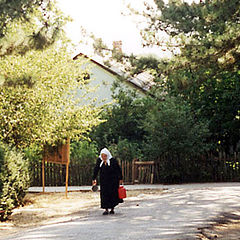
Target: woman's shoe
{"type": "Point", "coordinates": [105, 212]}
{"type": "Point", "coordinates": [112, 211]}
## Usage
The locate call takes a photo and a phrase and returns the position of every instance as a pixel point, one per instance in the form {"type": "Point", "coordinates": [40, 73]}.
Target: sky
{"type": "Point", "coordinates": [104, 19]}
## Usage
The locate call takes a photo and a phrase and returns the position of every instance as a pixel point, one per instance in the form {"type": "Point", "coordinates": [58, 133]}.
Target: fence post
{"type": "Point", "coordinates": [67, 165]}
{"type": "Point", "coordinates": [152, 174]}
{"type": "Point", "coordinates": [43, 175]}
{"type": "Point", "coordinates": [133, 171]}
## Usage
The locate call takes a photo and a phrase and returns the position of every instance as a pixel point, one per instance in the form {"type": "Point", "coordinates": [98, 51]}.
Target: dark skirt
{"type": "Point", "coordinates": [109, 195]}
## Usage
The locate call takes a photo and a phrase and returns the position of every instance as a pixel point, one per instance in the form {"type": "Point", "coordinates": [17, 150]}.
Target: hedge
{"type": "Point", "coordinates": [14, 180]}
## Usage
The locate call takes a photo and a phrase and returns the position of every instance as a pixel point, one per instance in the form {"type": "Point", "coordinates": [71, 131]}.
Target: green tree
{"type": "Point", "coordinates": [26, 25]}
{"type": "Point", "coordinates": [39, 80]}
{"type": "Point", "coordinates": [122, 120]}
{"type": "Point", "coordinates": [204, 40]}
{"type": "Point", "coordinates": [84, 152]}
{"type": "Point", "coordinates": [172, 128]}
{"type": "Point", "coordinates": [174, 132]}
{"type": "Point", "coordinates": [38, 98]}
{"type": "Point", "coordinates": [126, 150]}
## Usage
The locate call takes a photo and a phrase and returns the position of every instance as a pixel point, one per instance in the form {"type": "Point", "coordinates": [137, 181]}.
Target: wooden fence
{"type": "Point", "coordinates": [133, 172]}
{"type": "Point", "coordinates": [142, 172]}
{"type": "Point", "coordinates": [225, 167]}
{"type": "Point", "coordinates": [207, 168]}
{"type": "Point", "coordinates": [55, 174]}
{"type": "Point", "coordinates": [212, 168]}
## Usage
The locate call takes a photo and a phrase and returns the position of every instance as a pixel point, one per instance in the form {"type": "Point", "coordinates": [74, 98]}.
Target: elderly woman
{"type": "Point", "coordinates": [110, 178]}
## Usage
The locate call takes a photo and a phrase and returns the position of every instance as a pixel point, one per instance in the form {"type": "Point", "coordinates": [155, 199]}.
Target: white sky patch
{"type": "Point", "coordinates": [105, 20]}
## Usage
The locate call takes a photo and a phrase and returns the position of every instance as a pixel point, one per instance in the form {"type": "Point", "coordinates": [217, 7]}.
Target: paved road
{"type": "Point", "coordinates": [176, 214]}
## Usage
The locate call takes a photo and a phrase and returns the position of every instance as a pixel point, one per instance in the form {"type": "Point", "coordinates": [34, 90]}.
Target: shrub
{"type": "Point", "coordinates": [173, 129]}
{"type": "Point", "coordinates": [84, 152]}
{"type": "Point", "coordinates": [175, 132]}
{"type": "Point", "coordinates": [14, 179]}
{"type": "Point", "coordinates": [123, 120]}
{"type": "Point", "coordinates": [125, 150]}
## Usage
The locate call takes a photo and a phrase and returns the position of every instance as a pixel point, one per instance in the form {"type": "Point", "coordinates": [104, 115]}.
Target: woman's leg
{"type": "Point", "coordinates": [112, 211]}
{"type": "Point", "coordinates": [105, 212]}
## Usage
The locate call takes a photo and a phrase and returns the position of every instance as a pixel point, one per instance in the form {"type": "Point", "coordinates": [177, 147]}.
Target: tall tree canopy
{"type": "Point", "coordinates": [38, 98]}
{"type": "Point", "coordinates": [38, 77]}
{"type": "Point", "coordinates": [26, 25]}
{"type": "Point", "coordinates": [204, 40]}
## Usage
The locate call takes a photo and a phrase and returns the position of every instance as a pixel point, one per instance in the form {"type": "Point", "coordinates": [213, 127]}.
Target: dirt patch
{"type": "Point", "coordinates": [225, 227]}
{"type": "Point", "coordinates": [48, 208]}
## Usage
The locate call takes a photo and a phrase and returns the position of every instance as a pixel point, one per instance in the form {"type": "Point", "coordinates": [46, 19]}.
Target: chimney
{"type": "Point", "coordinates": [117, 46]}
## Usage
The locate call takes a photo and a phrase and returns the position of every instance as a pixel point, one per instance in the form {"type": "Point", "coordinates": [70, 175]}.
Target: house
{"type": "Point", "coordinates": [103, 77]}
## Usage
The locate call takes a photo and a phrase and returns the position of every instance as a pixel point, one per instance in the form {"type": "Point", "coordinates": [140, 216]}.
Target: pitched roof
{"type": "Point", "coordinates": [143, 81]}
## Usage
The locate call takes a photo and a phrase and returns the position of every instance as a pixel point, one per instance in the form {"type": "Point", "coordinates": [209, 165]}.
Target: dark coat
{"type": "Point", "coordinates": [109, 182]}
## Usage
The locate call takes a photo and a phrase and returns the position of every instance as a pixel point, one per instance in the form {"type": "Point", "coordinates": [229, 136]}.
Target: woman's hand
{"type": "Point", "coordinates": [94, 182]}
{"type": "Point", "coordinates": [120, 182]}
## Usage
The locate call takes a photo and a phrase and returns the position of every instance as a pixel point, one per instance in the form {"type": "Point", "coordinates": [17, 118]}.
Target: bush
{"type": "Point", "coordinates": [123, 120]}
{"type": "Point", "coordinates": [175, 138]}
{"type": "Point", "coordinates": [34, 156]}
{"type": "Point", "coordinates": [14, 179]}
{"type": "Point", "coordinates": [84, 152]}
{"type": "Point", "coordinates": [125, 150]}
{"type": "Point", "coordinates": [172, 128]}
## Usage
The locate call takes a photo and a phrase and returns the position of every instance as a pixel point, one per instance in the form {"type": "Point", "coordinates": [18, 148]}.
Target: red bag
{"type": "Point", "coordinates": [122, 193]}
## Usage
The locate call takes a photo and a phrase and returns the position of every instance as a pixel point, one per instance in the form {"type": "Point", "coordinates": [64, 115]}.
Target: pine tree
{"type": "Point", "coordinates": [204, 70]}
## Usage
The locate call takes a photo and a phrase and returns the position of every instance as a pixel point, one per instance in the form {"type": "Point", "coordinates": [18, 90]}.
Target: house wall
{"type": "Point", "coordinates": [101, 81]}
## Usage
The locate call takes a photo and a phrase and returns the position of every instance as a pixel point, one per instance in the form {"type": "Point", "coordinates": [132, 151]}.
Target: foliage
{"type": "Point", "coordinates": [218, 101]}
{"type": "Point", "coordinates": [20, 9]}
{"type": "Point", "coordinates": [125, 150]}
{"type": "Point", "coordinates": [122, 120]}
{"type": "Point", "coordinates": [174, 139]}
{"type": "Point", "coordinates": [173, 129]}
{"type": "Point", "coordinates": [33, 153]}
{"type": "Point", "coordinates": [204, 40]}
{"type": "Point", "coordinates": [38, 79]}
{"type": "Point", "coordinates": [14, 179]}
{"type": "Point", "coordinates": [99, 46]}
{"type": "Point", "coordinates": [144, 63]}
{"type": "Point", "coordinates": [84, 152]}
{"type": "Point", "coordinates": [27, 25]}
{"type": "Point", "coordinates": [38, 98]}
{"type": "Point", "coordinates": [34, 156]}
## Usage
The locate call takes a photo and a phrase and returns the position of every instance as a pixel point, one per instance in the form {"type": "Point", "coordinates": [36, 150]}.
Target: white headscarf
{"type": "Point", "coordinates": [109, 156]}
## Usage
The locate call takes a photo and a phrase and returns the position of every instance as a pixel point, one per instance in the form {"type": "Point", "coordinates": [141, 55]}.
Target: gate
{"type": "Point", "coordinates": [142, 172]}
